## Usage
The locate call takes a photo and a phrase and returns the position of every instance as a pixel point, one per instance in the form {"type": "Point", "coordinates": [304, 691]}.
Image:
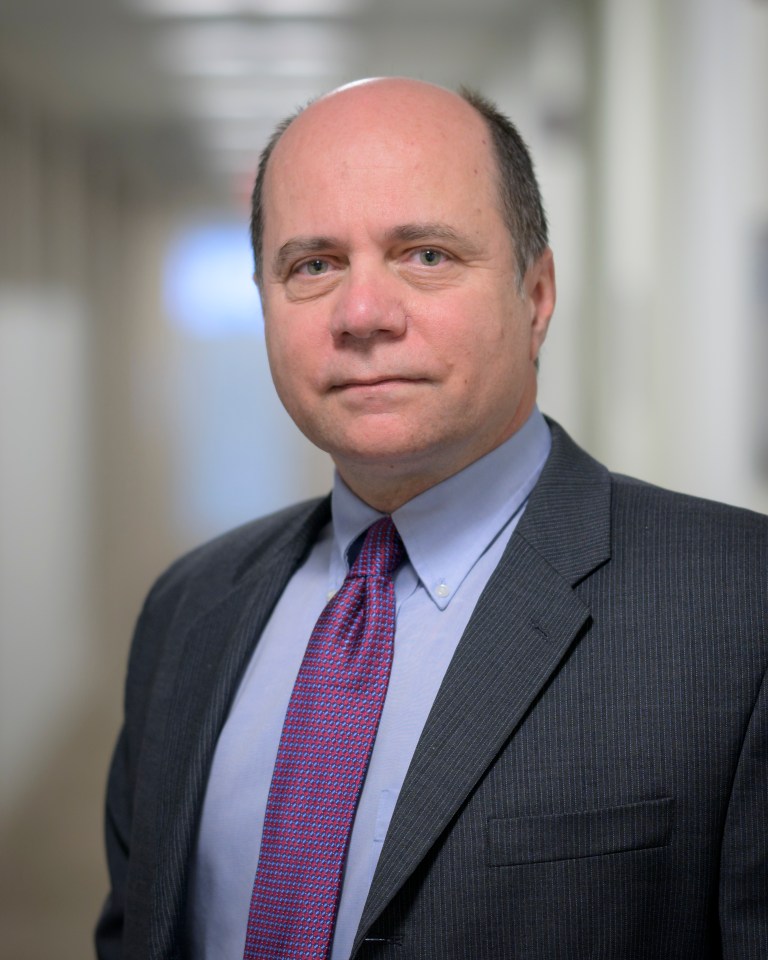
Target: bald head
{"type": "Point", "coordinates": [363, 110]}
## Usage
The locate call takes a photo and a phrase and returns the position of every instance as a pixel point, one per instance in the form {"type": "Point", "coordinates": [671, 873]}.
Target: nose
{"type": "Point", "coordinates": [368, 304]}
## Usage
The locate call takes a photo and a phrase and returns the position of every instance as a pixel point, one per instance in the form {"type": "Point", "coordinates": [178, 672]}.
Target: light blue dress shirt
{"type": "Point", "coordinates": [455, 534]}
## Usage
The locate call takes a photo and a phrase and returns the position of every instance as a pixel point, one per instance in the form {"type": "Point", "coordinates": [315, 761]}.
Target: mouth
{"type": "Point", "coordinates": [375, 383]}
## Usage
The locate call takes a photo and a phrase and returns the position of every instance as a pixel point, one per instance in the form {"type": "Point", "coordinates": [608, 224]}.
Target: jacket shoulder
{"type": "Point", "coordinates": [683, 516]}
{"type": "Point", "coordinates": [580, 514]}
{"type": "Point", "coordinates": [198, 581]}
{"type": "Point", "coordinates": [705, 560]}
{"type": "Point", "coordinates": [216, 565]}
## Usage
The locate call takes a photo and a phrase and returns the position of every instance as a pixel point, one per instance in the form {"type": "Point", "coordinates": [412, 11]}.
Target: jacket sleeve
{"type": "Point", "coordinates": [118, 823]}
{"type": "Point", "coordinates": [744, 862]}
{"type": "Point", "coordinates": [109, 931]}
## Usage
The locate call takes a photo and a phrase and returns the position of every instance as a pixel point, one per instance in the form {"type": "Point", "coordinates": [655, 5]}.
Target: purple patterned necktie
{"type": "Point", "coordinates": [327, 738]}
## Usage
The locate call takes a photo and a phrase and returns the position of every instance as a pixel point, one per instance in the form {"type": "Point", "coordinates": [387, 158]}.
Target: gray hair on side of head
{"type": "Point", "coordinates": [519, 192]}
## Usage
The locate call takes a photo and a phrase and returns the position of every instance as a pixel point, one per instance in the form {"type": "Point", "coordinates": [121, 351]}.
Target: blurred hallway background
{"type": "Point", "coordinates": [136, 411]}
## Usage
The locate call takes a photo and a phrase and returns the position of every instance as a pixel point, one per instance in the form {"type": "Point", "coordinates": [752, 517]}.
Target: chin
{"type": "Point", "coordinates": [387, 453]}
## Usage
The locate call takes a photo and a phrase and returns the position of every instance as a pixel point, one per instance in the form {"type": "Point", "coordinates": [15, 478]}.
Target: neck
{"type": "Point", "coordinates": [385, 492]}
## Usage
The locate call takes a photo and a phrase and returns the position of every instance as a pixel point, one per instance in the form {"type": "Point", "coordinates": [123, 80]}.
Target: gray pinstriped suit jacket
{"type": "Point", "coordinates": [592, 781]}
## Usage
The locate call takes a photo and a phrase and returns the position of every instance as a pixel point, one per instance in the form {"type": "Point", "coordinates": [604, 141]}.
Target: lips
{"type": "Point", "coordinates": [362, 382]}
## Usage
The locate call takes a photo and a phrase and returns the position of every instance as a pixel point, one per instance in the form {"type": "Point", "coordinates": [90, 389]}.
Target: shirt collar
{"type": "Point", "coordinates": [447, 528]}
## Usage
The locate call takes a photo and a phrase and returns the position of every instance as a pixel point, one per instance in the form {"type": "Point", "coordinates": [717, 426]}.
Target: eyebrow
{"type": "Point", "coordinates": [430, 230]}
{"type": "Point", "coordinates": [435, 231]}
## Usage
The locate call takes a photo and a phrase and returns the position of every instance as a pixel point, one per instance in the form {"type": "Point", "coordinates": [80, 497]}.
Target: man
{"type": "Point", "coordinates": [571, 757]}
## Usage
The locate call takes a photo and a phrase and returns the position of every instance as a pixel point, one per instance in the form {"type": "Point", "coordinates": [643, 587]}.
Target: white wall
{"type": "Point", "coordinates": [680, 122]}
{"type": "Point", "coordinates": [44, 525]}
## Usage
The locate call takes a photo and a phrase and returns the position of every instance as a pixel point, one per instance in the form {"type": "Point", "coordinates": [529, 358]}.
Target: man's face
{"type": "Point", "coordinates": [397, 338]}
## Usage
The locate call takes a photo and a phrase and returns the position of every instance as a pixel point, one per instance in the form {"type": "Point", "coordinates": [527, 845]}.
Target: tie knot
{"type": "Point", "coordinates": [381, 552]}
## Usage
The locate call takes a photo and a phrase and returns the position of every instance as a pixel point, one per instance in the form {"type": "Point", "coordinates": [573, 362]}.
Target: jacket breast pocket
{"type": "Point", "coordinates": [588, 833]}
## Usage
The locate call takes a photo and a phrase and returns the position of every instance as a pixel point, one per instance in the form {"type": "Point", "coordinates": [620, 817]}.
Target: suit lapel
{"type": "Point", "coordinates": [200, 687]}
{"type": "Point", "coordinates": [525, 621]}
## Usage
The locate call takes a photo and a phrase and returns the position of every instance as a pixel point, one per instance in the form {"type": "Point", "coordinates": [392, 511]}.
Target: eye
{"type": "Point", "coordinates": [313, 268]}
{"type": "Point", "coordinates": [430, 258]}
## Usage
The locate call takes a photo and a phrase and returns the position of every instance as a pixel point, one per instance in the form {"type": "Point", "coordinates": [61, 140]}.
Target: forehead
{"type": "Point", "coordinates": [418, 154]}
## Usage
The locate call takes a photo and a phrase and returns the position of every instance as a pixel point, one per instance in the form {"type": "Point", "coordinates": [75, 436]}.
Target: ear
{"type": "Point", "coordinates": [540, 294]}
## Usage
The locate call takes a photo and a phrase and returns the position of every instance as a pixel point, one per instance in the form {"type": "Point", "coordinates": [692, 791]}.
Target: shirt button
{"type": "Point", "coordinates": [443, 590]}
{"type": "Point", "coordinates": [331, 594]}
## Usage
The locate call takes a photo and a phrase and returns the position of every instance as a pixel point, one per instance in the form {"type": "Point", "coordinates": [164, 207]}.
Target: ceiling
{"type": "Point", "coordinates": [188, 90]}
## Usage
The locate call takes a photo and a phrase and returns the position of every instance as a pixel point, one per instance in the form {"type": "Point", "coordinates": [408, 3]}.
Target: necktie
{"type": "Point", "coordinates": [328, 734]}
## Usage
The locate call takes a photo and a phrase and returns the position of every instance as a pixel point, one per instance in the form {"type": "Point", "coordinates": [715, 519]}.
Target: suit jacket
{"type": "Point", "coordinates": [591, 781]}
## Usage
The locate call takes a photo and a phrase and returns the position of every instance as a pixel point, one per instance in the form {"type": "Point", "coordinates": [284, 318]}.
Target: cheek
{"type": "Point", "coordinates": [274, 351]}
{"type": "Point", "coordinates": [283, 363]}
{"type": "Point", "coordinates": [284, 339]}
{"type": "Point", "coordinates": [486, 342]}
{"type": "Point", "coordinates": [494, 361]}
{"type": "Point", "coordinates": [295, 364]}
